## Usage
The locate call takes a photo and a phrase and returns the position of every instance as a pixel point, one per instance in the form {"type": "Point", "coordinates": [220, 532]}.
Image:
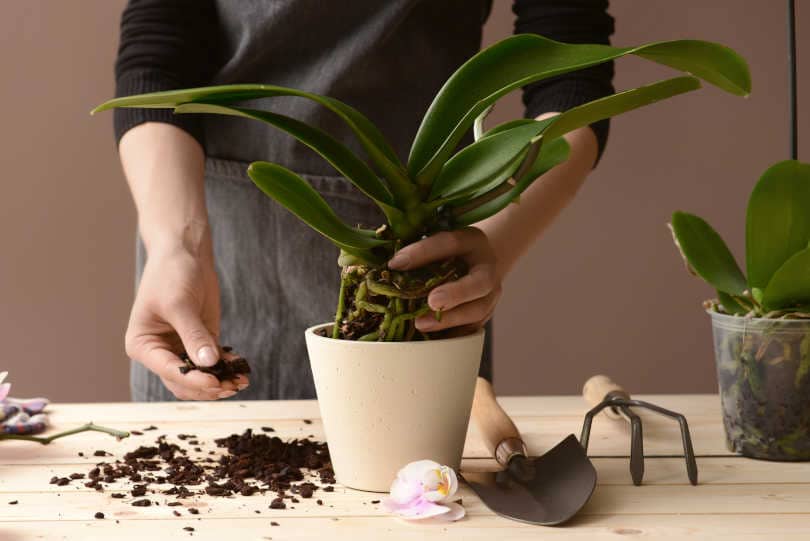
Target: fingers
{"type": "Point", "coordinates": [468, 301]}
{"type": "Point", "coordinates": [198, 341]}
{"type": "Point", "coordinates": [480, 282]}
{"type": "Point", "coordinates": [155, 354]}
{"type": "Point", "coordinates": [191, 393]}
{"type": "Point", "coordinates": [474, 313]}
{"type": "Point", "coordinates": [437, 247]}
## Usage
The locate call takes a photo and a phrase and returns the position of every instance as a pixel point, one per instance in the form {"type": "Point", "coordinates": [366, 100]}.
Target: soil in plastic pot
{"type": "Point", "coordinates": [763, 369]}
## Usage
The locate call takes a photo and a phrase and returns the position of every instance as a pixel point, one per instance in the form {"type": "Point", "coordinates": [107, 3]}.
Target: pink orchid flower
{"type": "Point", "coordinates": [4, 387]}
{"type": "Point", "coordinates": [424, 490]}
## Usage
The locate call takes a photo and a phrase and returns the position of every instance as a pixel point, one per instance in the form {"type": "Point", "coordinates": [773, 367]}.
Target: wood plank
{"type": "Point", "coordinates": [66, 451]}
{"type": "Point", "coordinates": [144, 413]}
{"type": "Point", "coordinates": [608, 437]}
{"type": "Point", "coordinates": [686, 404]}
{"type": "Point", "coordinates": [611, 437]}
{"type": "Point", "coordinates": [611, 471]}
{"type": "Point", "coordinates": [147, 412]}
{"type": "Point", "coordinates": [738, 499]}
{"type": "Point", "coordinates": [617, 500]}
{"type": "Point", "coordinates": [732, 527]}
{"type": "Point", "coordinates": [672, 471]}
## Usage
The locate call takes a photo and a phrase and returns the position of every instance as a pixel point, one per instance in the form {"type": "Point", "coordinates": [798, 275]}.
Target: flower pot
{"type": "Point", "coordinates": [385, 404]}
{"type": "Point", "coordinates": [763, 368]}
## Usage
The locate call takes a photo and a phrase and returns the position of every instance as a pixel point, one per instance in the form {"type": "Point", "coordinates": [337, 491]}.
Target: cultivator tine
{"type": "Point", "coordinates": [688, 450]}
{"type": "Point", "coordinates": [636, 445]}
{"type": "Point", "coordinates": [586, 424]}
{"type": "Point", "coordinates": [623, 406]}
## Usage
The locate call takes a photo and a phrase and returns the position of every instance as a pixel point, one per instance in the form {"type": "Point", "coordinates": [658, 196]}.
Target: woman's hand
{"type": "Point", "coordinates": [177, 308]}
{"type": "Point", "coordinates": [177, 305]}
{"type": "Point", "coordinates": [467, 302]}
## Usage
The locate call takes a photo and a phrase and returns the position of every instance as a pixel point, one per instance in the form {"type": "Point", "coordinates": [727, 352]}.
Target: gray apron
{"type": "Point", "coordinates": [277, 277]}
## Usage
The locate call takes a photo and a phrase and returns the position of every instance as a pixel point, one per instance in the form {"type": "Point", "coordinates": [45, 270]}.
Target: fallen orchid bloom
{"type": "Point", "coordinates": [424, 490]}
{"type": "Point", "coordinates": [4, 387]}
{"type": "Point", "coordinates": [21, 419]}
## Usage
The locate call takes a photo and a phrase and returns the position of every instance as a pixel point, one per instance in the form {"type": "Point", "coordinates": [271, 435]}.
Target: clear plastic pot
{"type": "Point", "coordinates": [763, 368]}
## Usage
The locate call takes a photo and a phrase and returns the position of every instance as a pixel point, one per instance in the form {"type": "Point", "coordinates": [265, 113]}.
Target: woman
{"type": "Point", "coordinates": [227, 265]}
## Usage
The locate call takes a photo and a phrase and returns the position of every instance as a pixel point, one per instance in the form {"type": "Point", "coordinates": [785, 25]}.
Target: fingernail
{"type": "Point", "coordinates": [242, 386]}
{"type": "Point", "coordinates": [206, 356]}
{"type": "Point", "coordinates": [438, 300]}
{"type": "Point", "coordinates": [226, 394]}
{"type": "Point", "coordinates": [400, 261]}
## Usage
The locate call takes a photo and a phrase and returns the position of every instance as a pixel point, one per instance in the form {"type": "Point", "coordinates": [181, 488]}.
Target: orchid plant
{"type": "Point", "coordinates": [763, 346]}
{"type": "Point", "coordinates": [441, 186]}
{"type": "Point", "coordinates": [777, 242]}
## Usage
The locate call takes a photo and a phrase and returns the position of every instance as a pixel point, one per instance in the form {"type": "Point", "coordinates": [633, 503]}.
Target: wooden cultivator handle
{"type": "Point", "coordinates": [597, 388]}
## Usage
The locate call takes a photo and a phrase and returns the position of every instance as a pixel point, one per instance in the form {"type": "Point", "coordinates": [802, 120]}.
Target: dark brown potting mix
{"type": "Point", "coordinates": [226, 369]}
{"type": "Point", "coordinates": [252, 464]}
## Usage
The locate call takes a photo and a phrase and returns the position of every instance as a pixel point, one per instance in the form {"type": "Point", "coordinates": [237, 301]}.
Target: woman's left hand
{"type": "Point", "coordinates": [467, 302]}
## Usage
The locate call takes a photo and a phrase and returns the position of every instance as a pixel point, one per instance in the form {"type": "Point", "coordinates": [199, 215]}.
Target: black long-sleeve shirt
{"type": "Point", "coordinates": [173, 44]}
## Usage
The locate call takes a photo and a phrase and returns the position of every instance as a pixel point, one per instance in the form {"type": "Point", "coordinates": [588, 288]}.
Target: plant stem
{"type": "Point", "coordinates": [341, 307]}
{"type": "Point", "coordinates": [401, 318]}
{"type": "Point", "coordinates": [371, 307]}
{"type": "Point", "coordinates": [44, 440]}
{"type": "Point", "coordinates": [386, 322]}
{"type": "Point", "coordinates": [370, 337]}
{"type": "Point", "coordinates": [394, 333]}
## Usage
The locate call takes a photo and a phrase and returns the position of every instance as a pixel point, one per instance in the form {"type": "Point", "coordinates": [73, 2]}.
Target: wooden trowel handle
{"type": "Point", "coordinates": [500, 434]}
{"type": "Point", "coordinates": [598, 387]}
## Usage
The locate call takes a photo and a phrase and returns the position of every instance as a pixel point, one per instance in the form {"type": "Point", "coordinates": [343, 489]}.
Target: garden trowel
{"type": "Point", "coordinates": [546, 490]}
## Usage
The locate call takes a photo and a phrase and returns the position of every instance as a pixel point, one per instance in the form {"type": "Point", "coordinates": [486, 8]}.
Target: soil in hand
{"type": "Point", "coordinates": [228, 368]}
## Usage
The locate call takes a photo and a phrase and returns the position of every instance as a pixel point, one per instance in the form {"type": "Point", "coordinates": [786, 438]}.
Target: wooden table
{"type": "Point", "coordinates": [737, 498]}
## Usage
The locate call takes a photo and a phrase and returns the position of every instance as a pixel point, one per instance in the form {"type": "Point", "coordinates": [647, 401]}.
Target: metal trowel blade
{"type": "Point", "coordinates": [563, 481]}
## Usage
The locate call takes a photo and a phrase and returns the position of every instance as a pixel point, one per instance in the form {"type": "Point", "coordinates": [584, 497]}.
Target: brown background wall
{"type": "Point", "coordinates": [603, 291]}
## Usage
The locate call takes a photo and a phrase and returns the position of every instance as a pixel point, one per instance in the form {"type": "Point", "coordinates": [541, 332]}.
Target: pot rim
{"type": "Point", "coordinates": [413, 344]}
{"type": "Point", "coordinates": [730, 318]}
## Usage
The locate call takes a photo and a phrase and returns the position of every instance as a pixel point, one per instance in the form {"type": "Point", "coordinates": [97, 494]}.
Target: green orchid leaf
{"type": "Point", "coordinates": [552, 153]}
{"type": "Point", "coordinates": [778, 220]}
{"type": "Point", "coordinates": [476, 167]}
{"type": "Point", "coordinates": [507, 126]}
{"type": "Point", "coordinates": [507, 173]}
{"type": "Point", "coordinates": [485, 160]}
{"type": "Point", "coordinates": [707, 254]}
{"type": "Point", "coordinates": [730, 304]}
{"type": "Point", "coordinates": [297, 196]}
{"type": "Point", "coordinates": [622, 102]}
{"type": "Point", "coordinates": [482, 163]}
{"type": "Point", "coordinates": [790, 284]}
{"type": "Point", "coordinates": [380, 152]}
{"type": "Point", "coordinates": [332, 150]}
{"type": "Point", "coordinates": [516, 61]}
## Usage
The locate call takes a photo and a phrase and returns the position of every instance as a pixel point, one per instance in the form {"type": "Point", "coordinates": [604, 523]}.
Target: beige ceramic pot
{"type": "Point", "coordinates": [385, 404]}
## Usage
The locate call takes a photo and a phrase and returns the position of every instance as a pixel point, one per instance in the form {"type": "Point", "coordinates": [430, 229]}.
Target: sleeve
{"type": "Point", "coordinates": [165, 45]}
{"type": "Point", "coordinates": [568, 21]}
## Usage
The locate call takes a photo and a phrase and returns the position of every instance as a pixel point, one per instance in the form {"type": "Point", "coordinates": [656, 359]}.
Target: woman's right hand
{"type": "Point", "coordinates": [177, 309]}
